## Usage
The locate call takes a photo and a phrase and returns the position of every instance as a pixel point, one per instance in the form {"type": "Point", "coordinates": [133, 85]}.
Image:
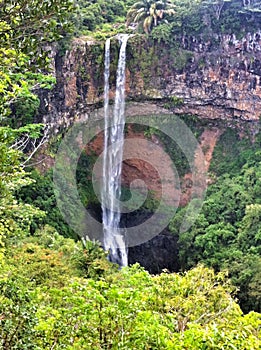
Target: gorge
{"type": "Point", "coordinates": [219, 83]}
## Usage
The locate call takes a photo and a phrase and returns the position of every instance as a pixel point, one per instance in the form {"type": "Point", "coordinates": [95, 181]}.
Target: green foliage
{"type": "Point", "coordinates": [49, 259]}
{"type": "Point", "coordinates": [25, 29]}
{"type": "Point", "coordinates": [84, 179]}
{"type": "Point", "coordinates": [15, 218]}
{"type": "Point", "coordinates": [41, 194]}
{"type": "Point", "coordinates": [29, 268]}
{"type": "Point", "coordinates": [142, 58]}
{"type": "Point", "coordinates": [27, 25]}
{"type": "Point", "coordinates": [148, 14]}
{"type": "Point", "coordinates": [25, 109]}
{"type": "Point", "coordinates": [45, 266]}
{"type": "Point", "coordinates": [227, 231]}
{"type": "Point", "coordinates": [231, 153]}
{"type": "Point", "coordinates": [173, 101]}
{"type": "Point", "coordinates": [181, 59]}
{"type": "Point", "coordinates": [197, 17]}
{"type": "Point", "coordinates": [17, 314]}
{"type": "Point", "coordinates": [132, 308]}
{"type": "Point", "coordinates": [187, 17]}
{"type": "Point", "coordinates": [92, 261]}
{"type": "Point", "coordinates": [98, 16]}
{"type": "Point", "coordinates": [162, 33]}
{"type": "Point", "coordinates": [250, 229]}
{"type": "Point", "coordinates": [163, 20]}
{"type": "Point", "coordinates": [127, 309]}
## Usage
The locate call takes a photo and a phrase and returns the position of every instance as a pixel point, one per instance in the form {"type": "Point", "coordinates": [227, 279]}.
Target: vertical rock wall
{"type": "Point", "coordinates": [217, 79]}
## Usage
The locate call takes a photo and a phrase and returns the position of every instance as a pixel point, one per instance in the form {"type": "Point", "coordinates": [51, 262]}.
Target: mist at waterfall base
{"type": "Point", "coordinates": [114, 240]}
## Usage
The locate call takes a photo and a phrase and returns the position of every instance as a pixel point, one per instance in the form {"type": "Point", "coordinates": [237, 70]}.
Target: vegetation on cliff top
{"type": "Point", "coordinates": [148, 14]}
{"type": "Point", "coordinates": [172, 17]}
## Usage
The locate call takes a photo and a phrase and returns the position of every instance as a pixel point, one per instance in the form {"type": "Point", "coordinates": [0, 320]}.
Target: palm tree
{"type": "Point", "coordinates": [149, 13]}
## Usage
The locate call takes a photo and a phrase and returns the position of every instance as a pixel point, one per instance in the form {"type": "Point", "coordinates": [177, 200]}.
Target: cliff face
{"type": "Point", "coordinates": [217, 79]}
{"type": "Point", "coordinates": [213, 81]}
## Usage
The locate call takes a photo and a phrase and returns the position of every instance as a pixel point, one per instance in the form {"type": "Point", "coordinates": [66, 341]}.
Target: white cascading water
{"type": "Point", "coordinates": [114, 240]}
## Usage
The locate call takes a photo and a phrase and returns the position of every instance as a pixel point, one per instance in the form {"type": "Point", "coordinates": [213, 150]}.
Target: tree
{"type": "Point", "coordinates": [15, 217]}
{"type": "Point", "coordinates": [216, 5]}
{"type": "Point", "coordinates": [251, 9]}
{"type": "Point", "coordinates": [130, 308]}
{"type": "Point", "coordinates": [249, 237]}
{"type": "Point", "coordinates": [149, 13]}
{"type": "Point", "coordinates": [91, 15]}
{"type": "Point", "coordinates": [17, 312]}
{"type": "Point", "coordinates": [26, 27]}
{"type": "Point", "coordinates": [227, 232]}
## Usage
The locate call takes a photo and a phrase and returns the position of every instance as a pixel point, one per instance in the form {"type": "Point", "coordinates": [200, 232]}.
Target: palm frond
{"type": "Point", "coordinates": [147, 24]}
{"type": "Point", "coordinates": [139, 16]}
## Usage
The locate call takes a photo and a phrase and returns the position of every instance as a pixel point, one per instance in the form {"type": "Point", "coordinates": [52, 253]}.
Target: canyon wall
{"type": "Point", "coordinates": [220, 78]}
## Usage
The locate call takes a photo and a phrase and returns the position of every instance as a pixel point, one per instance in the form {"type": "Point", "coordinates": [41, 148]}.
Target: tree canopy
{"type": "Point", "coordinates": [149, 13]}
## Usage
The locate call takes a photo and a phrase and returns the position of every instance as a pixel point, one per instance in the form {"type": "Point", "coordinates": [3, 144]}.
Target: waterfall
{"type": "Point", "coordinates": [114, 241]}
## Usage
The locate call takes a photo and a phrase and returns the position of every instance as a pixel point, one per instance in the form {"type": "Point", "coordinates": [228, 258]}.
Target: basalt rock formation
{"type": "Point", "coordinates": [220, 78]}
{"type": "Point", "coordinates": [215, 79]}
